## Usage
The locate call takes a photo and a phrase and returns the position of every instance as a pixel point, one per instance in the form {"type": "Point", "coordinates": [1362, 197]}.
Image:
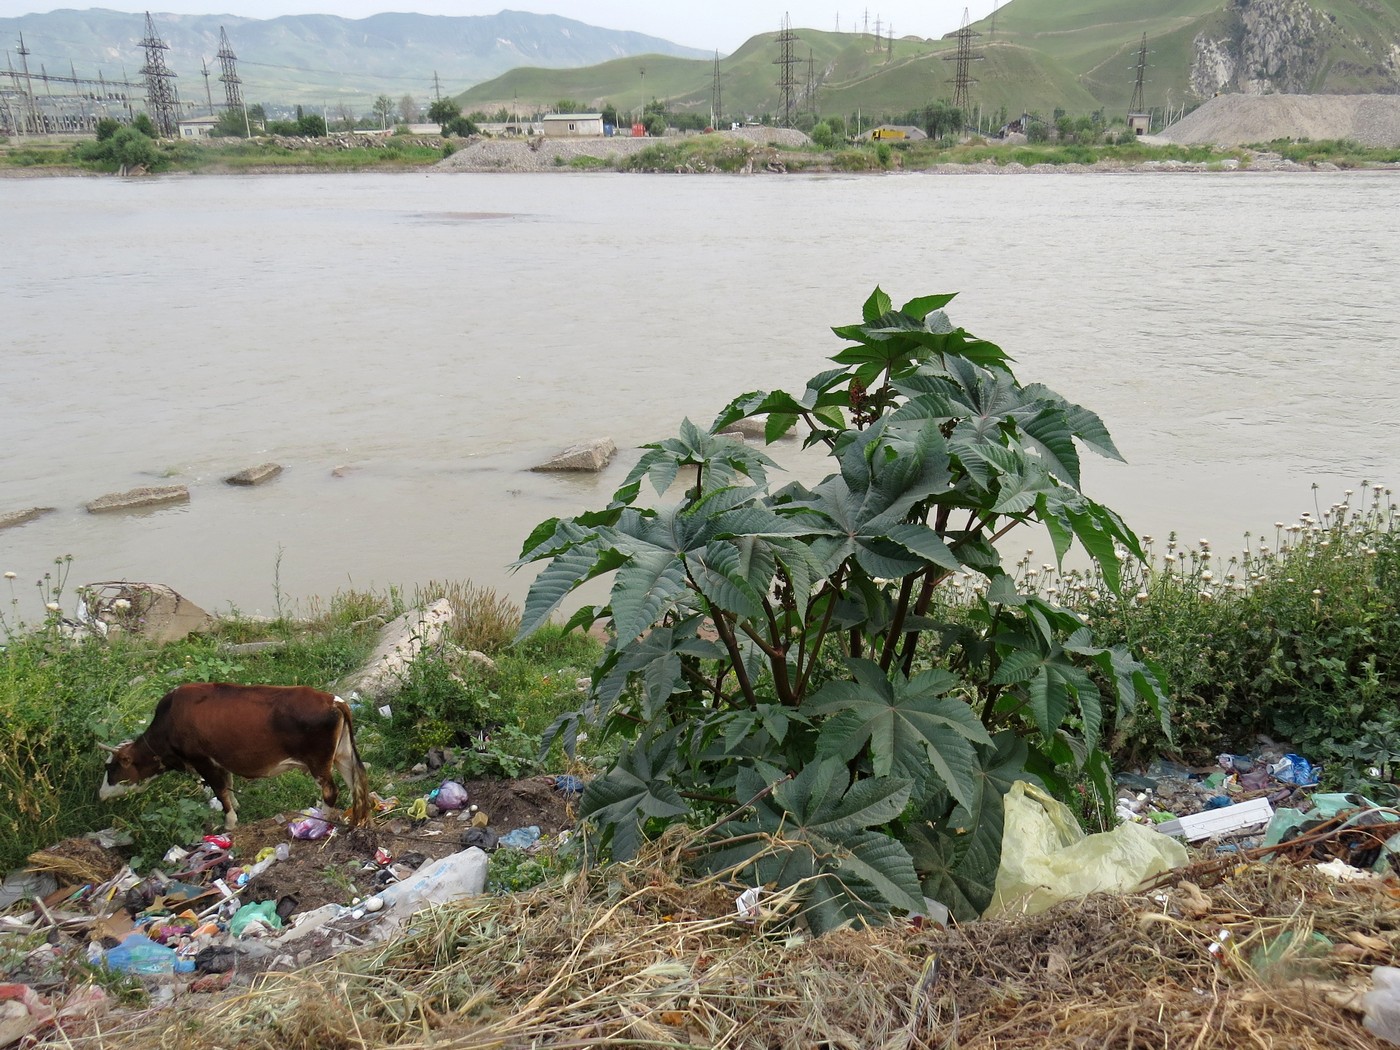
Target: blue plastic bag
{"type": "Point", "coordinates": [1295, 770]}
{"type": "Point", "coordinates": [140, 955]}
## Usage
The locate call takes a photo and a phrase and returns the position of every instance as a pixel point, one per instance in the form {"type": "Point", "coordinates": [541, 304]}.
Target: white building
{"type": "Point", "coordinates": [573, 125]}
{"type": "Point", "coordinates": [197, 127]}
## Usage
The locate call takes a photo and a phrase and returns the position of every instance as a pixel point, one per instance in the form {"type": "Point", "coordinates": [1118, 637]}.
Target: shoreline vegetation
{"type": "Point", "coordinates": [757, 151]}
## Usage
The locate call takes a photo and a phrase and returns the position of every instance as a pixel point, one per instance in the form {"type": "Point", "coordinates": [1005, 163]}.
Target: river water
{"type": "Point", "coordinates": [407, 346]}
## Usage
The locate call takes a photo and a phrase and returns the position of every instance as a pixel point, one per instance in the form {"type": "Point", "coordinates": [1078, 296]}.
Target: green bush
{"type": "Point", "coordinates": [772, 660]}
{"type": "Point", "coordinates": [1296, 637]}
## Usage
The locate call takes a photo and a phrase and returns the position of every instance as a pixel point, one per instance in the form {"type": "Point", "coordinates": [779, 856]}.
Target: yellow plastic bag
{"type": "Point", "coordinates": [1046, 858]}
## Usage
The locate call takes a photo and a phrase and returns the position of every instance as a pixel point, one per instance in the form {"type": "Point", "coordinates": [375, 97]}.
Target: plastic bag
{"type": "Point", "coordinates": [450, 796]}
{"type": "Point", "coordinates": [244, 918]}
{"type": "Point", "coordinates": [1295, 770]}
{"type": "Point", "coordinates": [1382, 1004]}
{"type": "Point", "coordinates": [312, 825]}
{"type": "Point", "coordinates": [438, 882]}
{"type": "Point", "coordinates": [1046, 858]}
{"type": "Point", "coordinates": [521, 838]}
{"type": "Point", "coordinates": [138, 954]}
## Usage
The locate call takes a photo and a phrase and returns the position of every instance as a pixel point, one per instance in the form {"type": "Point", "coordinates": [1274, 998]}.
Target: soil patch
{"type": "Point", "coordinates": [335, 869]}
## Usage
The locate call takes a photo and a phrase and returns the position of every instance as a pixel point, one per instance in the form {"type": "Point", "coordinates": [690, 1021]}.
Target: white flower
{"type": "Point", "coordinates": [9, 576]}
{"type": "Point", "coordinates": [52, 606]}
{"type": "Point", "coordinates": [121, 605]}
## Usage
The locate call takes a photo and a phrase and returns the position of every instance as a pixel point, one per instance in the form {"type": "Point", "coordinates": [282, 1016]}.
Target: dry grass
{"type": "Point", "coordinates": [482, 619]}
{"type": "Point", "coordinates": [634, 955]}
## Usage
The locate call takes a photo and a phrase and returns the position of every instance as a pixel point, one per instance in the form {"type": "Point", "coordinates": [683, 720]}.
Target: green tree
{"type": "Point", "coordinates": [656, 124]}
{"type": "Point", "coordinates": [823, 136]}
{"type": "Point", "coordinates": [609, 114]}
{"type": "Point", "coordinates": [311, 126]}
{"type": "Point", "coordinates": [459, 125]}
{"type": "Point", "coordinates": [106, 128]}
{"type": "Point", "coordinates": [444, 110]}
{"type": "Point", "coordinates": [383, 110]}
{"type": "Point", "coordinates": [127, 147]}
{"type": "Point", "coordinates": [142, 123]}
{"type": "Point", "coordinates": [231, 124]}
{"type": "Point", "coordinates": [785, 659]}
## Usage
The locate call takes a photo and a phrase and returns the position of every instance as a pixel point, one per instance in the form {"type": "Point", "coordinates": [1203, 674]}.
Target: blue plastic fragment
{"type": "Point", "coordinates": [568, 784]}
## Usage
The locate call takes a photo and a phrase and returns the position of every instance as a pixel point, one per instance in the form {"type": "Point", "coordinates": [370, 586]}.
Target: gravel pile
{"type": "Point", "coordinates": [1238, 120]}
{"type": "Point", "coordinates": [551, 154]}
{"type": "Point", "coordinates": [537, 154]}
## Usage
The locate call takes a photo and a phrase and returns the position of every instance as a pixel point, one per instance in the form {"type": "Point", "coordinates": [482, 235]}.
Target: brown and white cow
{"type": "Point", "coordinates": [216, 729]}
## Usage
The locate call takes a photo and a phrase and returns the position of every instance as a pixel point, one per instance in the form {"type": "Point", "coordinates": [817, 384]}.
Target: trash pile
{"type": "Point", "coordinates": [222, 906]}
{"type": "Point", "coordinates": [1227, 806]}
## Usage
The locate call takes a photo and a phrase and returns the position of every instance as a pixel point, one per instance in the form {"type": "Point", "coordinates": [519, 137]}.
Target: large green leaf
{"type": "Point", "coordinates": [912, 729]}
{"type": "Point", "coordinates": [816, 830]}
{"type": "Point", "coordinates": [637, 787]}
{"type": "Point", "coordinates": [957, 852]}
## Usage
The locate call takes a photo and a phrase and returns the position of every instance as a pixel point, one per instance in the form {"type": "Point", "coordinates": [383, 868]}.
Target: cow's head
{"type": "Point", "coordinates": [128, 767]}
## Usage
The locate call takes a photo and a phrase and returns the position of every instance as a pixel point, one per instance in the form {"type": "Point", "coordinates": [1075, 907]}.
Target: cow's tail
{"type": "Point", "coordinates": [352, 770]}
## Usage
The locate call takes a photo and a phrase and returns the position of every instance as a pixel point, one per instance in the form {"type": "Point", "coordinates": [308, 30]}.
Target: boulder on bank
{"type": "Point", "coordinates": [254, 475]}
{"type": "Point", "coordinates": [149, 610]}
{"type": "Point", "coordinates": [132, 499]}
{"type": "Point", "coordinates": [399, 644]}
{"type": "Point", "coordinates": [587, 456]}
{"type": "Point", "coordinates": [22, 517]}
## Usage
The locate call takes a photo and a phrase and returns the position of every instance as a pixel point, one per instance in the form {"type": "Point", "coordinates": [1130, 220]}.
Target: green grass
{"type": "Point", "coordinates": [1341, 152]}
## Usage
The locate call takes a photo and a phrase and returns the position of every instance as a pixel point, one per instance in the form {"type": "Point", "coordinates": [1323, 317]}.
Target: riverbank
{"type": "Point", "coordinates": [747, 151]}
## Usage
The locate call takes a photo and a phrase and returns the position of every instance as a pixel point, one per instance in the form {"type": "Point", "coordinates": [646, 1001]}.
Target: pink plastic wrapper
{"type": "Point", "coordinates": [310, 826]}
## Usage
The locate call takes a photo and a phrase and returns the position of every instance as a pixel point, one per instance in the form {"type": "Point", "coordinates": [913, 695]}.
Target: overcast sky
{"type": "Point", "coordinates": [722, 24]}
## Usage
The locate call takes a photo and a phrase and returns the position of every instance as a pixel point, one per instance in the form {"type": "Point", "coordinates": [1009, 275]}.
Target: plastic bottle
{"type": "Point", "coordinates": [138, 954]}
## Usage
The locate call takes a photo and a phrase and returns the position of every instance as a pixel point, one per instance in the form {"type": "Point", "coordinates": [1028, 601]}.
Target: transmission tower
{"type": "Point", "coordinates": [962, 78]}
{"type": "Point", "coordinates": [228, 62]}
{"type": "Point", "coordinates": [811, 83]}
{"type": "Point", "coordinates": [1136, 106]}
{"type": "Point", "coordinates": [716, 97]}
{"type": "Point", "coordinates": [162, 100]}
{"type": "Point", "coordinates": [31, 110]}
{"type": "Point", "coordinates": [208, 95]}
{"type": "Point", "coordinates": [787, 83]}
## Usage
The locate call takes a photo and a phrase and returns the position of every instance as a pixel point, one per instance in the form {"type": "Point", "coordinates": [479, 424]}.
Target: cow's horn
{"type": "Point", "coordinates": [108, 747]}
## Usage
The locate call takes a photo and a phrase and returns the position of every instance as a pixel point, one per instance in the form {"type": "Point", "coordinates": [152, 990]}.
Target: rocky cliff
{"type": "Point", "coordinates": [1290, 47]}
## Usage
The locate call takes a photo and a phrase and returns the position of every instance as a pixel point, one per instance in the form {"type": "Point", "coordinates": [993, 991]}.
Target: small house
{"type": "Point", "coordinates": [1139, 123]}
{"type": "Point", "coordinates": [197, 127]}
{"type": "Point", "coordinates": [573, 125]}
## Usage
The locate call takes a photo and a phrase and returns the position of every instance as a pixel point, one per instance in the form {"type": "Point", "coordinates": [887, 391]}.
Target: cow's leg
{"type": "Point", "coordinates": [221, 783]}
{"type": "Point", "coordinates": [329, 792]}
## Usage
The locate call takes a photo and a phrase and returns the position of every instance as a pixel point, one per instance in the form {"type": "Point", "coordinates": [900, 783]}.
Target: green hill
{"type": "Point", "coordinates": [1037, 55]}
{"type": "Point", "coordinates": [849, 71]}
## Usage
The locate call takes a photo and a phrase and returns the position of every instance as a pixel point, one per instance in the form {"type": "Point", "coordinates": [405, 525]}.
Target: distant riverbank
{"type": "Point", "coordinates": [748, 151]}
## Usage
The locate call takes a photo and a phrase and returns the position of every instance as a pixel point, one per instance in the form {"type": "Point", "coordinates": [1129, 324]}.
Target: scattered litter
{"type": "Point", "coordinates": [747, 904]}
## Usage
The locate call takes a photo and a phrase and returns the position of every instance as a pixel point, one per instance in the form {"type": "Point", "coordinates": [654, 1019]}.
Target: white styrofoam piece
{"type": "Point", "coordinates": [1212, 822]}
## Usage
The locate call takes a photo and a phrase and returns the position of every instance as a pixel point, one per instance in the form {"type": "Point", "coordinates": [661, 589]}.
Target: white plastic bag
{"type": "Point", "coordinates": [1046, 858]}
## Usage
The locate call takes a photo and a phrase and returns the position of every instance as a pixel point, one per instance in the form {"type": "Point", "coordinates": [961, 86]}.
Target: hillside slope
{"type": "Point", "coordinates": [313, 59]}
{"type": "Point", "coordinates": [849, 71]}
{"type": "Point", "coordinates": [1198, 48]}
{"type": "Point", "coordinates": [1242, 120]}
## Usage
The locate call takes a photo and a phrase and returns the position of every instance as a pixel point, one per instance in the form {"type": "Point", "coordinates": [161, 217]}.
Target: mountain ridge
{"type": "Point", "coordinates": [317, 59]}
